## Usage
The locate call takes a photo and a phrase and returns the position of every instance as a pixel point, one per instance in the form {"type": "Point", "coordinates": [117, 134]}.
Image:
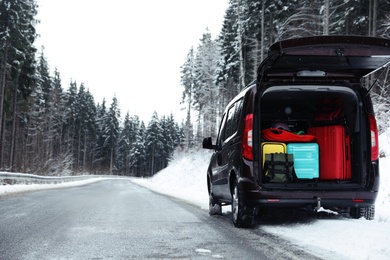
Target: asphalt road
{"type": "Point", "coordinates": [116, 219]}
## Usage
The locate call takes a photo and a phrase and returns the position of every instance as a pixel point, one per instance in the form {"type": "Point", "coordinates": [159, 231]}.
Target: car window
{"type": "Point", "coordinates": [230, 122]}
{"type": "Point", "coordinates": [221, 133]}
{"type": "Point", "coordinates": [237, 114]}
{"type": "Point", "coordinates": [230, 127]}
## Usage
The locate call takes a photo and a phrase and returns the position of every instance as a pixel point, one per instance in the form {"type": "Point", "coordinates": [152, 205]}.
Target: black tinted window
{"type": "Point", "coordinates": [221, 134]}
{"type": "Point", "coordinates": [233, 119]}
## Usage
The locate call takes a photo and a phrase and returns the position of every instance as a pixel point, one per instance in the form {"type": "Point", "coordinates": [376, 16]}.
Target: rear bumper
{"type": "Point", "coordinates": [310, 198]}
{"type": "Point", "coordinates": [312, 203]}
{"type": "Point", "coordinates": [307, 198]}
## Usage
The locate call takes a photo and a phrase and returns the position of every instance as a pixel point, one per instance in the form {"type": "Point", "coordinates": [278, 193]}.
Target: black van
{"type": "Point", "coordinates": [304, 134]}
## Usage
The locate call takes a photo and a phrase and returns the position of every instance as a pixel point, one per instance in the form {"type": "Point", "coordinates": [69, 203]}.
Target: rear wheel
{"type": "Point", "coordinates": [242, 215]}
{"type": "Point", "coordinates": [363, 212]}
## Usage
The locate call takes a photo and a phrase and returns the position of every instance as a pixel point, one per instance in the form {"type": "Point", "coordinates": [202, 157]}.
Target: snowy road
{"type": "Point", "coordinates": [116, 219]}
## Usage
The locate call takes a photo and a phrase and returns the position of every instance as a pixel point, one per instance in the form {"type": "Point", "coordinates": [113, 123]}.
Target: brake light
{"type": "Point", "coordinates": [374, 138]}
{"type": "Point", "coordinates": [247, 138]}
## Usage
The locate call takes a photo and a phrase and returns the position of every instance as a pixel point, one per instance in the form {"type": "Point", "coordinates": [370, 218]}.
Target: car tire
{"type": "Point", "coordinates": [369, 214]}
{"type": "Point", "coordinates": [242, 215]}
{"type": "Point", "coordinates": [215, 208]}
{"type": "Point", "coordinates": [363, 212]}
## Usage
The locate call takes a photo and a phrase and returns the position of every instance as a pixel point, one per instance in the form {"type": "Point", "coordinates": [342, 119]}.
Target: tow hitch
{"type": "Point", "coordinates": [319, 208]}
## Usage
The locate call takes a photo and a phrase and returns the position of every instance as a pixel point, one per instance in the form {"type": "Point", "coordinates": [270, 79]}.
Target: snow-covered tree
{"type": "Point", "coordinates": [188, 81]}
{"type": "Point", "coordinates": [169, 139]}
{"type": "Point", "coordinates": [205, 91]}
{"type": "Point", "coordinates": [111, 131]}
{"type": "Point", "coordinates": [154, 144]}
{"type": "Point", "coordinates": [138, 151]}
{"type": "Point", "coordinates": [100, 155]}
{"type": "Point", "coordinates": [17, 71]}
{"type": "Point", "coordinates": [48, 130]}
{"type": "Point", "coordinates": [127, 142]}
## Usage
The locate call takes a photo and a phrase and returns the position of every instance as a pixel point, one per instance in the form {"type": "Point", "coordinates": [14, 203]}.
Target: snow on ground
{"type": "Point", "coordinates": [329, 238]}
{"type": "Point", "coordinates": [20, 188]}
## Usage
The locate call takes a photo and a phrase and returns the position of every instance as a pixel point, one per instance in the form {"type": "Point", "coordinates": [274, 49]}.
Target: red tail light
{"type": "Point", "coordinates": [374, 138]}
{"type": "Point", "coordinates": [247, 138]}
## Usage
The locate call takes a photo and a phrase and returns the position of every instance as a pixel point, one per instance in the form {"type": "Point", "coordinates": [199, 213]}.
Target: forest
{"type": "Point", "coordinates": [218, 69]}
{"type": "Point", "coordinates": [51, 129]}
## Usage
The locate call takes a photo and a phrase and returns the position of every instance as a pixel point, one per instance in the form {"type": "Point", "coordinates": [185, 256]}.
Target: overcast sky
{"type": "Point", "coordinates": [131, 49]}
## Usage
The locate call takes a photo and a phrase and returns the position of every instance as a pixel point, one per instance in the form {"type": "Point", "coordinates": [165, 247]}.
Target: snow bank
{"type": "Point", "coordinates": [20, 188]}
{"type": "Point", "coordinates": [184, 178]}
{"type": "Point", "coordinates": [329, 238]}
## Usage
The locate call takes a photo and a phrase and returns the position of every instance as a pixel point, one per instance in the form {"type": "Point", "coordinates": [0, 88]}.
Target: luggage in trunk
{"type": "Point", "coordinates": [306, 164]}
{"type": "Point", "coordinates": [278, 167]}
{"type": "Point", "coordinates": [277, 164]}
{"type": "Point", "coordinates": [272, 147]}
{"type": "Point", "coordinates": [334, 146]}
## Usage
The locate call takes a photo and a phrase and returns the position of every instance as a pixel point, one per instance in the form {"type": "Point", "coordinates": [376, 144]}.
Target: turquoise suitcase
{"type": "Point", "coordinates": [306, 159]}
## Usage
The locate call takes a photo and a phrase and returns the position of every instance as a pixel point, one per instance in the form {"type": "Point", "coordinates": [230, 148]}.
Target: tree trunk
{"type": "Point", "coordinates": [152, 162]}
{"type": "Point", "coordinates": [79, 150]}
{"type": "Point", "coordinates": [2, 99]}
{"type": "Point", "coordinates": [374, 17]}
{"type": "Point", "coordinates": [2, 147]}
{"type": "Point", "coordinates": [262, 47]}
{"type": "Point", "coordinates": [14, 118]}
{"type": "Point", "coordinates": [240, 47]}
{"type": "Point", "coordinates": [111, 159]}
{"type": "Point", "coordinates": [326, 18]}
{"type": "Point", "coordinates": [85, 150]}
{"type": "Point", "coordinates": [188, 121]}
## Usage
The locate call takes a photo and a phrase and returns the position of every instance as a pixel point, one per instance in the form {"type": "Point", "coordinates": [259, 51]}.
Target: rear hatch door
{"type": "Point", "coordinates": [333, 57]}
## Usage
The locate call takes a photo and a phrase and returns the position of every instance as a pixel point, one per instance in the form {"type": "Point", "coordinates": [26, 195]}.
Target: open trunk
{"type": "Point", "coordinates": [321, 111]}
{"type": "Point", "coordinates": [313, 85]}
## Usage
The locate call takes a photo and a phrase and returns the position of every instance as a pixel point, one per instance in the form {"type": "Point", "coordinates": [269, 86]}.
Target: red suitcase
{"type": "Point", "coordinates": [334, 144]}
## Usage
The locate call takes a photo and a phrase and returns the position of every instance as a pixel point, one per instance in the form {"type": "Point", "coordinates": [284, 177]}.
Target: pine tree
{"type": "Point", "coordinates": [169, 135]}
{"type": "Point", "coordinates": [87, 128]}
{"type": "Point", "coordinates": [100, 160]}
{"type": "Point", "coordinates": [46, 85]}
{"type": "Point", "coordinates": [33, 153]}
{"type": "Point", "coordinates": [59, 113]}
{"type": "Point", "coordinates": [188, 81]}
{"type": "Point", "coordinates": [128, 138]}
{"type": "Point", "coordinates": [154, 144]}
{"type": "Point", "coordinates": [229, 71]}
{"type": "Point", "coordinates": [205, 91]}
{"type": "Point", "coordinates": [111, 131]}
{"type": "Point", "coordinates": [70, 124]}
{"type": "Point", "coordinates": [17, 70]}
{"type": "Point", "coordinates": [138, 152]}
{"type": "Point", "coordinates": [382, 22]}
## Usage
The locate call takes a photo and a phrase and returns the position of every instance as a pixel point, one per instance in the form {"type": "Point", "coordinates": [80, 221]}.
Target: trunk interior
{"type": "Point", "coordinates": [335, 116]}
